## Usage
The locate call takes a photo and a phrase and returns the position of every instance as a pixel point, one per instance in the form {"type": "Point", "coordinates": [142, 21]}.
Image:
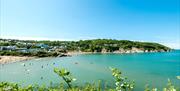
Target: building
{"type": "Point", "coordinates": [8, 48]}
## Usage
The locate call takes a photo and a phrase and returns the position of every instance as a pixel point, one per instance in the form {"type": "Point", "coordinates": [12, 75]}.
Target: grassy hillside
{"type": "Point", "coordinates": [96, 45]}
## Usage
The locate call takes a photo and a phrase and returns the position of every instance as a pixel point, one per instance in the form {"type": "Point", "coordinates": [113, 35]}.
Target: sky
{"type": "Point", "coordinates": [138, 20]}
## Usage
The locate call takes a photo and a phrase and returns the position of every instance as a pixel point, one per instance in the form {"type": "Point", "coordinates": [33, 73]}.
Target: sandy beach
{"type": "Point", "coordinates": [10, 59]}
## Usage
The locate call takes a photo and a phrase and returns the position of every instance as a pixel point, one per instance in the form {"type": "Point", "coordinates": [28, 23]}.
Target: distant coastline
{"type": "Point", "coordinates": [19, 50]}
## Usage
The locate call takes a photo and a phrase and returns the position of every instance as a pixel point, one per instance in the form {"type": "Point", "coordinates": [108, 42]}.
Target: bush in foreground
{"type": "Point", "coordinates": [121, 84]}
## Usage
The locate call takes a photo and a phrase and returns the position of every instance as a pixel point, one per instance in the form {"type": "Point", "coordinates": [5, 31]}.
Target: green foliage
{"type": "Point", "coordinates": [6, 86]}
{"type": "Point", "coordinates": [170, 86]}
{"type": "Point", "coordinates": [66, 76]}
{"type": "Point", "coordinates": [147, 88]}
{"type": "Point", "coordinates": [122, 84]}
{"type": "Point", "coordinates": [36, 54]}
{"type": "Point", "coordinates": [113, 45]}
{"type": "Point", "coordinates": [14, 53]}
{"type": "Point", "coordinates": [178, 77]}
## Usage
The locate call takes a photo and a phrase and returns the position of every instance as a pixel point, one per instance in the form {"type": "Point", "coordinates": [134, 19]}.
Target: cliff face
{"type": "Point", "coordinates": [132, 50]}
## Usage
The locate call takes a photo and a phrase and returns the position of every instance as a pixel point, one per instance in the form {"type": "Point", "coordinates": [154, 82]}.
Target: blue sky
{"type": "Point", "coordinates": [141, 20]}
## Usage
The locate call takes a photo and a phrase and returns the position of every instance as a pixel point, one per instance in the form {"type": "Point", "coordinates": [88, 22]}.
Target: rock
{"type": "Point", "coordinates": [104, 50]}
{"type": "Point", "coordinates": [121, 50]}
{"type": "Point", "coordinates": [64, 55]}
{"type": "Point", "coordinates": [136, 50]}
{"type": "Point", "coordinates": [146, 51]}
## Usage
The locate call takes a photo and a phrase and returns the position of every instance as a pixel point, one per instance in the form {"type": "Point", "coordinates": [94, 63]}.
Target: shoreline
{"type": "Point", "coordinates": [79, 53]}
{"type": "Point", "coordinates": [12, 59]}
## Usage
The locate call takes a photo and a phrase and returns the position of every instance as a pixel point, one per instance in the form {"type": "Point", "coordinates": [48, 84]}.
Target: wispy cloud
{"type": "Point", "coordinates": [172, 42]}
{"type": "Point", "coordinates": [172, 45]}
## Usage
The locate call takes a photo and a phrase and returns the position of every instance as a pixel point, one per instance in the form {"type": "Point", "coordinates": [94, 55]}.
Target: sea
{"type": "Point", "coordinates": [153, 69]}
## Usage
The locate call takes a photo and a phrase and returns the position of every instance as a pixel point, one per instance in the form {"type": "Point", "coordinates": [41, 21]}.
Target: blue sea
{"type": "Point", "coordinates": [153, 69]}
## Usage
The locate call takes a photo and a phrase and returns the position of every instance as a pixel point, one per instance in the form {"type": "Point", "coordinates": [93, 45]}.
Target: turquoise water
{"type": "Point", "coordinates": [144, 68]}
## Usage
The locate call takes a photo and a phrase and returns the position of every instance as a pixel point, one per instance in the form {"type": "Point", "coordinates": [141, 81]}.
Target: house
{"type": "Point", "coordinates": [7, 48]}
{"type": "Point", "coordinates": [25, 50]}
{"type": "Point", "coordinates": [42, 45]}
